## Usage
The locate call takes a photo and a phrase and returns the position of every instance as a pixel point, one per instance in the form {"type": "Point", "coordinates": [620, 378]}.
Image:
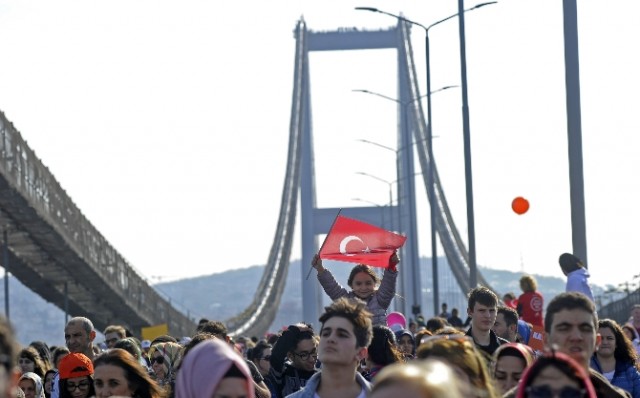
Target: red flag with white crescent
{"type": "Point", "coordinates": [354, 241]}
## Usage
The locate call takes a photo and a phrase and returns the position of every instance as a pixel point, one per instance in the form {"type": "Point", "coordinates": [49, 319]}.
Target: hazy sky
{"type": "Point", "coordinates": [167, 122]}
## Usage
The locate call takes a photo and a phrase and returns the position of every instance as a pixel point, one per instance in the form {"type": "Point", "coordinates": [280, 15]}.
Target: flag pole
{"type": "Point", "coordinates": [325, 239]}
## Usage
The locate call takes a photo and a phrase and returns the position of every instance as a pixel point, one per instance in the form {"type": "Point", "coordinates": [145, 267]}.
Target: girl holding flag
{"type": "Point", "coordinates": [365, 285]}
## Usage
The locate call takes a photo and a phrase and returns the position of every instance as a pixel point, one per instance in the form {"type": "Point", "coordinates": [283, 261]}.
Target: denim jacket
{"type": "Point", "coordinates": [313, 383]}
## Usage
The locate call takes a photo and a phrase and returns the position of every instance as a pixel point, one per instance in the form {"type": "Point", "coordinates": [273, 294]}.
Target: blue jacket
{"type": "Point", "coordinates": [313, 383]}
{"type": "Point", "coordinates": [626, 376]}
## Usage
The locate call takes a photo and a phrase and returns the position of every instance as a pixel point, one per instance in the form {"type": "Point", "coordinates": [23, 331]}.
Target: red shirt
{"type": "Point", "coordinates": [531, 305]}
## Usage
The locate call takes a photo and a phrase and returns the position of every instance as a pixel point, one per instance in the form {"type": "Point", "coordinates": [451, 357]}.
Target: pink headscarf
{"type": "Point", "coordinates": [548, 359]}
{"type": "Point", "coordinates": [204, 367]}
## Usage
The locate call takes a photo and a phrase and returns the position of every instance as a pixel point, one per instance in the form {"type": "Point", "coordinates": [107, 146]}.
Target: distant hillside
{"type": "Point", "coordinates": [223, 295]}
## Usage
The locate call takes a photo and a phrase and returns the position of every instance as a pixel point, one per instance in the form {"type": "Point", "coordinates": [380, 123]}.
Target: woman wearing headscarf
{"type": "Point", "coordinates": [213, 369]}
{"type": "Point", "coordinates": [31, 384]}
{"type": "Point", "coordinates": [509, 363]}
{"type": "Point", "coordinates": [164, 359]}
{"type": "Point", "coordinates": [555, 374]}
{"type": "Point", "coordinates": [406, 343]}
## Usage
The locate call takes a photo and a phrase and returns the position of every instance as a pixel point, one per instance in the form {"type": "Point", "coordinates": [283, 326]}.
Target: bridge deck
{"type": "Point", "coordinates": [51, 243]}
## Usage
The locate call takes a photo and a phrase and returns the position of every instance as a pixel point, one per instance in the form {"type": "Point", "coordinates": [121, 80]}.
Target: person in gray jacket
{"type": "Point", "coordinates": [345, 334]}
{"type": "Point", "coordinates": [365, 285]}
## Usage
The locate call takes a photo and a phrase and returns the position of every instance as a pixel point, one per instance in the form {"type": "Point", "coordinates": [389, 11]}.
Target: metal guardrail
{"type": "Point", "coordinates": [620, 310]}
{"type": "Point", "coordinates": [54, 244]}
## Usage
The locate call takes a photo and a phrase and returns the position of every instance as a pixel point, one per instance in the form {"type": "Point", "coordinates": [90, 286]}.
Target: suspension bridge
{"type": "Point", "coordinates": [52, 248]}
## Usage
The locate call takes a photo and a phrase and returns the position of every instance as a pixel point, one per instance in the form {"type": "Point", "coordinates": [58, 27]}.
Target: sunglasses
{"type": "Point", "coordinates": [460, 338]}
{"type": "Point", "coordinates": [159, 360]}
{"type": "Point", "coordinates": [83, 385]}
{"type": "Point", "coordinates": [305, 355]}
{"type": "Point", "coordinates": [545, 391]}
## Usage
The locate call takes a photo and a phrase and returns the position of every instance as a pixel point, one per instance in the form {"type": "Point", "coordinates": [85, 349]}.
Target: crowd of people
{"type": "Point", "coordinates": [507, 347]}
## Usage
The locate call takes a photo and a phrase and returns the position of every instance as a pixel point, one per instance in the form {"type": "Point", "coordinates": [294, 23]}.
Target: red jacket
{"type": "Point", "coordinates": [530, 307]}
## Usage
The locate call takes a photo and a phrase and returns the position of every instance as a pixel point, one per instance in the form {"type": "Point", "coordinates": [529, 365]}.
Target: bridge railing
{"type": "Point", "coordinates": [620, 310]}
{"type": "Point", "coordinates": [66, 225]}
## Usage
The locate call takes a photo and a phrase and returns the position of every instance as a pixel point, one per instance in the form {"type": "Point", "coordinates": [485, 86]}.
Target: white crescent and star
{"type": "Point", "coordinates": [346, 240]}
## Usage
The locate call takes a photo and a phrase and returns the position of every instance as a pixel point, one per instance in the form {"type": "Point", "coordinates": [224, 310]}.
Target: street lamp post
{"type": "Point", "coordinates": [434, 261]}
{"type": "Point", "coordinates": [5, 261]}
{"type": "Point", "coordinates": [389, 183]}
{"type": "Point", "coordinates": [473, 277]}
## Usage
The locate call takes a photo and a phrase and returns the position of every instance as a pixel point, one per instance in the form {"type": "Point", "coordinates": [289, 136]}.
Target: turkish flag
{"type": "Point", "coordinates": [354, 241]}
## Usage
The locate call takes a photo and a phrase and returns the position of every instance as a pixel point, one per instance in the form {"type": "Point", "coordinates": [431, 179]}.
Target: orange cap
{"type": "Point", "coordinates": [75, 365]}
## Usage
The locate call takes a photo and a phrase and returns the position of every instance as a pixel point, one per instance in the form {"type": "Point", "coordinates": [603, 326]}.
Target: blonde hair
{"type": "Point", "coordinates": [528, 283]}
{"type": "Point", "coordinates": [460, 352]}
{"type": "Point", "coordinates": [431, 378]}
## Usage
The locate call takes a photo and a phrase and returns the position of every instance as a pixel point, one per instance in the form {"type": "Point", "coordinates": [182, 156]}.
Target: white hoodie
{"type": "Point", "coordinates": [577, 282]}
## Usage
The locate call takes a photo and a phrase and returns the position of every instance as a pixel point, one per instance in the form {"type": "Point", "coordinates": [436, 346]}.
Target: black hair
{"type": "Point", "coordinates": [256, 352]}
{"type": "Point", "coordinates": [234, 372]}
{"type": "Point", "coordinates": [215, 328]}
{"type": "Point", "coordinates": [569, 301]}
{"type": "Point", "coordinates": [483, 296]}
{"type": "Point", "coordinates": [382, 350]}
{"type": "Point", "coordinates": [510, 315]}
{"type": "Point", "coordinates": [569, 263]}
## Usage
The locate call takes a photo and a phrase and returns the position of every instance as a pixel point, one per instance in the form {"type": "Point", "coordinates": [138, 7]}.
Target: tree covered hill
{"type": "Point", "coordinates": [222, 295]}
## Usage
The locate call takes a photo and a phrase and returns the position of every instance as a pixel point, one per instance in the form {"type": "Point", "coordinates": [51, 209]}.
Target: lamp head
{"type": "Point", "coordinates": [372, 9]}
{"type": "Point", "coordinates": [483, 4]}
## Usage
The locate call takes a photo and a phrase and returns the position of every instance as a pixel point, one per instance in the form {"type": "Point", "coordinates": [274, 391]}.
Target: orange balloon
{"type": "Point", "coordinates": [520, 205]}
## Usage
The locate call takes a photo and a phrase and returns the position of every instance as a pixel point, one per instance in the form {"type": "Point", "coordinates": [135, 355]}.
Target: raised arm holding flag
{"type": "Point", "coordinates": [354, 241]}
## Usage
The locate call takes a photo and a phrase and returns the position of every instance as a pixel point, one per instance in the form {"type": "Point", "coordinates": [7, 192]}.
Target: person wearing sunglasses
{"type": "Point", "coordinates": [556, 375]}
{"type": "Point", "coordinates": [76, 376]}
{"type": "Point", "coordinates": [298, 345]}
{"type": "Point", "coordinates": [260, 355]}
{"type": "Point", "coordinates": [164, 357]}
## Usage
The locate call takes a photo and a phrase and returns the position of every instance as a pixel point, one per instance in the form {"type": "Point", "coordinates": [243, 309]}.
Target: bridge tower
{"type": "Point", "coordinates": [316, 220]}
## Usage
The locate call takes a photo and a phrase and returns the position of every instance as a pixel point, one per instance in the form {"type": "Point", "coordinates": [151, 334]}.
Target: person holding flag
{"type": "Point", "coordinates": [354, 241]}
